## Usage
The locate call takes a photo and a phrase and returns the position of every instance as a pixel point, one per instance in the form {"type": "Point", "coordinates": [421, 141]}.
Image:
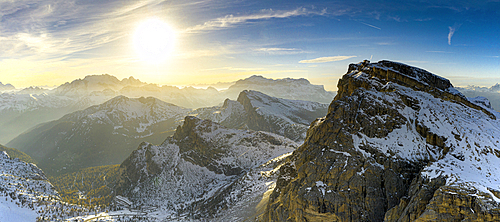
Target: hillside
{"type": "Point", "coordinates": [14, 153]}
{"type": "Point", "coordinates": [88, 187]}
{"type": "Point", "coordinates": [398, 144]}
{"type": "Point", "coordinates": [27, 195]}
{"type": "Point", "coordinates": [100, 135]}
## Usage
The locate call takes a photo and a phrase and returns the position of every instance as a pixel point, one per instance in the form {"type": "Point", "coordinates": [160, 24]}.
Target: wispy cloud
{"type": "Point", "coordinates": [327, 59]}
{"type": "Point", "coordinates": [280, 51]}
{"type": "Point", "coordinates": [58, 29]}
{"type": "Point", "coordinates": [232, 20]}
{"type": "Point", "coordinates": [440, 52]}
{"type": "Point", "coordinates": [375, 27]}
{"type": "Point", "coordinates": [452, 31]}
{"type": "Point", "coordinates": [275, 49]}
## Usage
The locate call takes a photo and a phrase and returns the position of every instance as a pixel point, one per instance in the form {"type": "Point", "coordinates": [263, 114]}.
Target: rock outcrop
{"type": "Point", "coordinates": [398, 144]}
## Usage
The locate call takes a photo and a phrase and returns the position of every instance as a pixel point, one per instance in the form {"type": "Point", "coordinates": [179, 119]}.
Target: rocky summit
{"type": "Point", "coordinates": [398, 144]}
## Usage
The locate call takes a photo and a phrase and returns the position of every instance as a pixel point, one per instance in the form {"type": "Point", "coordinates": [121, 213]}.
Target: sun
{"type": "Point", "coordinates": [154, 40]}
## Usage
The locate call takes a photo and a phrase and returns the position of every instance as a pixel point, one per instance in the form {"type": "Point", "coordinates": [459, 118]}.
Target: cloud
{"type": "Point", "coordinates": [231, 20]}
{"type": "Point", "coordinates": [375, 27]}
{"type": "Point", "coordinates": [61, 28]}
{"type": "Point", "coordinates": [327, 59]}
{"type": "Point", "coordinates": [452, 31]}
{"type": "Point", "coordinates": [439, 52]}
{"type": "Point", "coordinates": [280, 51]}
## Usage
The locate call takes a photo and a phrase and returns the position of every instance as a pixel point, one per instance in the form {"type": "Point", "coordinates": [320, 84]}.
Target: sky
{"type": "Point", "coordinates": [51, 42]}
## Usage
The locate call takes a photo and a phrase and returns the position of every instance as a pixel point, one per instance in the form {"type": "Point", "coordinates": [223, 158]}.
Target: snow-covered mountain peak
{"type": "Point", "coordinates": [6, 87]}
{"type": "Point", "coordinates": [91, 83]}
{"type": "Point", "coordinates": [257, 79]}
{"type": "Point", "coordinates": [126, 108]}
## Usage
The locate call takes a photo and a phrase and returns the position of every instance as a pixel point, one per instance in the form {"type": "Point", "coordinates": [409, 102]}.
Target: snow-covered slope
{"type": "Point", "coordinates": [258, 111]}
{"type": "Point", "coordinates": [19, 111]}
{"type": "Point", "coordinates": [199, 162]}
{"type": "Point", "coordinates": [100, 135]}
{"type": "Point", "coordinates": [27, 195]}
{"type": "Point", "coordinates": [186, 97]}
{"type": "Point", "coordinates": [28, 102]}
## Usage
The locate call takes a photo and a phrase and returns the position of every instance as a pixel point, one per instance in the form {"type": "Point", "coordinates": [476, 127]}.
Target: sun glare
{"type": "Point", "coordinates": [154, 40]}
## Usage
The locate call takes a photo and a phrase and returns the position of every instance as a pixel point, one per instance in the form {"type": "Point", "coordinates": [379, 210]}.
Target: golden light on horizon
{"type": "Point", "coordinates": [154, 40]}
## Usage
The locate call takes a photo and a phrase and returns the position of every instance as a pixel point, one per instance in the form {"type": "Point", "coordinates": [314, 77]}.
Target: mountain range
{"type": "Point", "coordinates": [491, 93]}
{"type": "Point", "coordinates": [397, 143]}
{"type": "Point", "coordinates": [106, 134]}
{"type": "Point", "coordinates": [26, 108]}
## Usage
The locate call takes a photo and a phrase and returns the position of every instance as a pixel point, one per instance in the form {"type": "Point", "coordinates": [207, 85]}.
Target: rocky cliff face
{"type": "Point", "coordinates": [197, 168]}
{"type": "Point", "coordinates": [398, 144]}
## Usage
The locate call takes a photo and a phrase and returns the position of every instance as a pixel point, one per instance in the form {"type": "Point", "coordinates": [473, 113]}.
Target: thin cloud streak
{"type": "Point", "coordinates": [280, 51]}
{"type": "Point", "coordinates": [440, 52]}
{"type": "Point", "coordinates": [375, 27]}
{"type": "Point", "coordinates": [231, 20]}
{"type": "Point", "coordinates": [327, 59]}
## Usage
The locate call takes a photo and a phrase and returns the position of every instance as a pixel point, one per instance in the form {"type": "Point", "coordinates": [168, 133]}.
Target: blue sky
{"type": "Point", "coordinates": [52, 42]}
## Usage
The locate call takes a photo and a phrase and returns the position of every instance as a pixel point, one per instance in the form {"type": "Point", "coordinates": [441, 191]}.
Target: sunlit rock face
{"type": "Point", "coordinates": [398, 144]}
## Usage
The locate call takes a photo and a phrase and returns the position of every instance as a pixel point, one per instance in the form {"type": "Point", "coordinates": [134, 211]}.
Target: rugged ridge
{"type": "Point", "coordinates": [398, 144]}
{"type": "Point", "coordinates": [257, 111]}
{"type": "Point", "coordinates": [200, 163]}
